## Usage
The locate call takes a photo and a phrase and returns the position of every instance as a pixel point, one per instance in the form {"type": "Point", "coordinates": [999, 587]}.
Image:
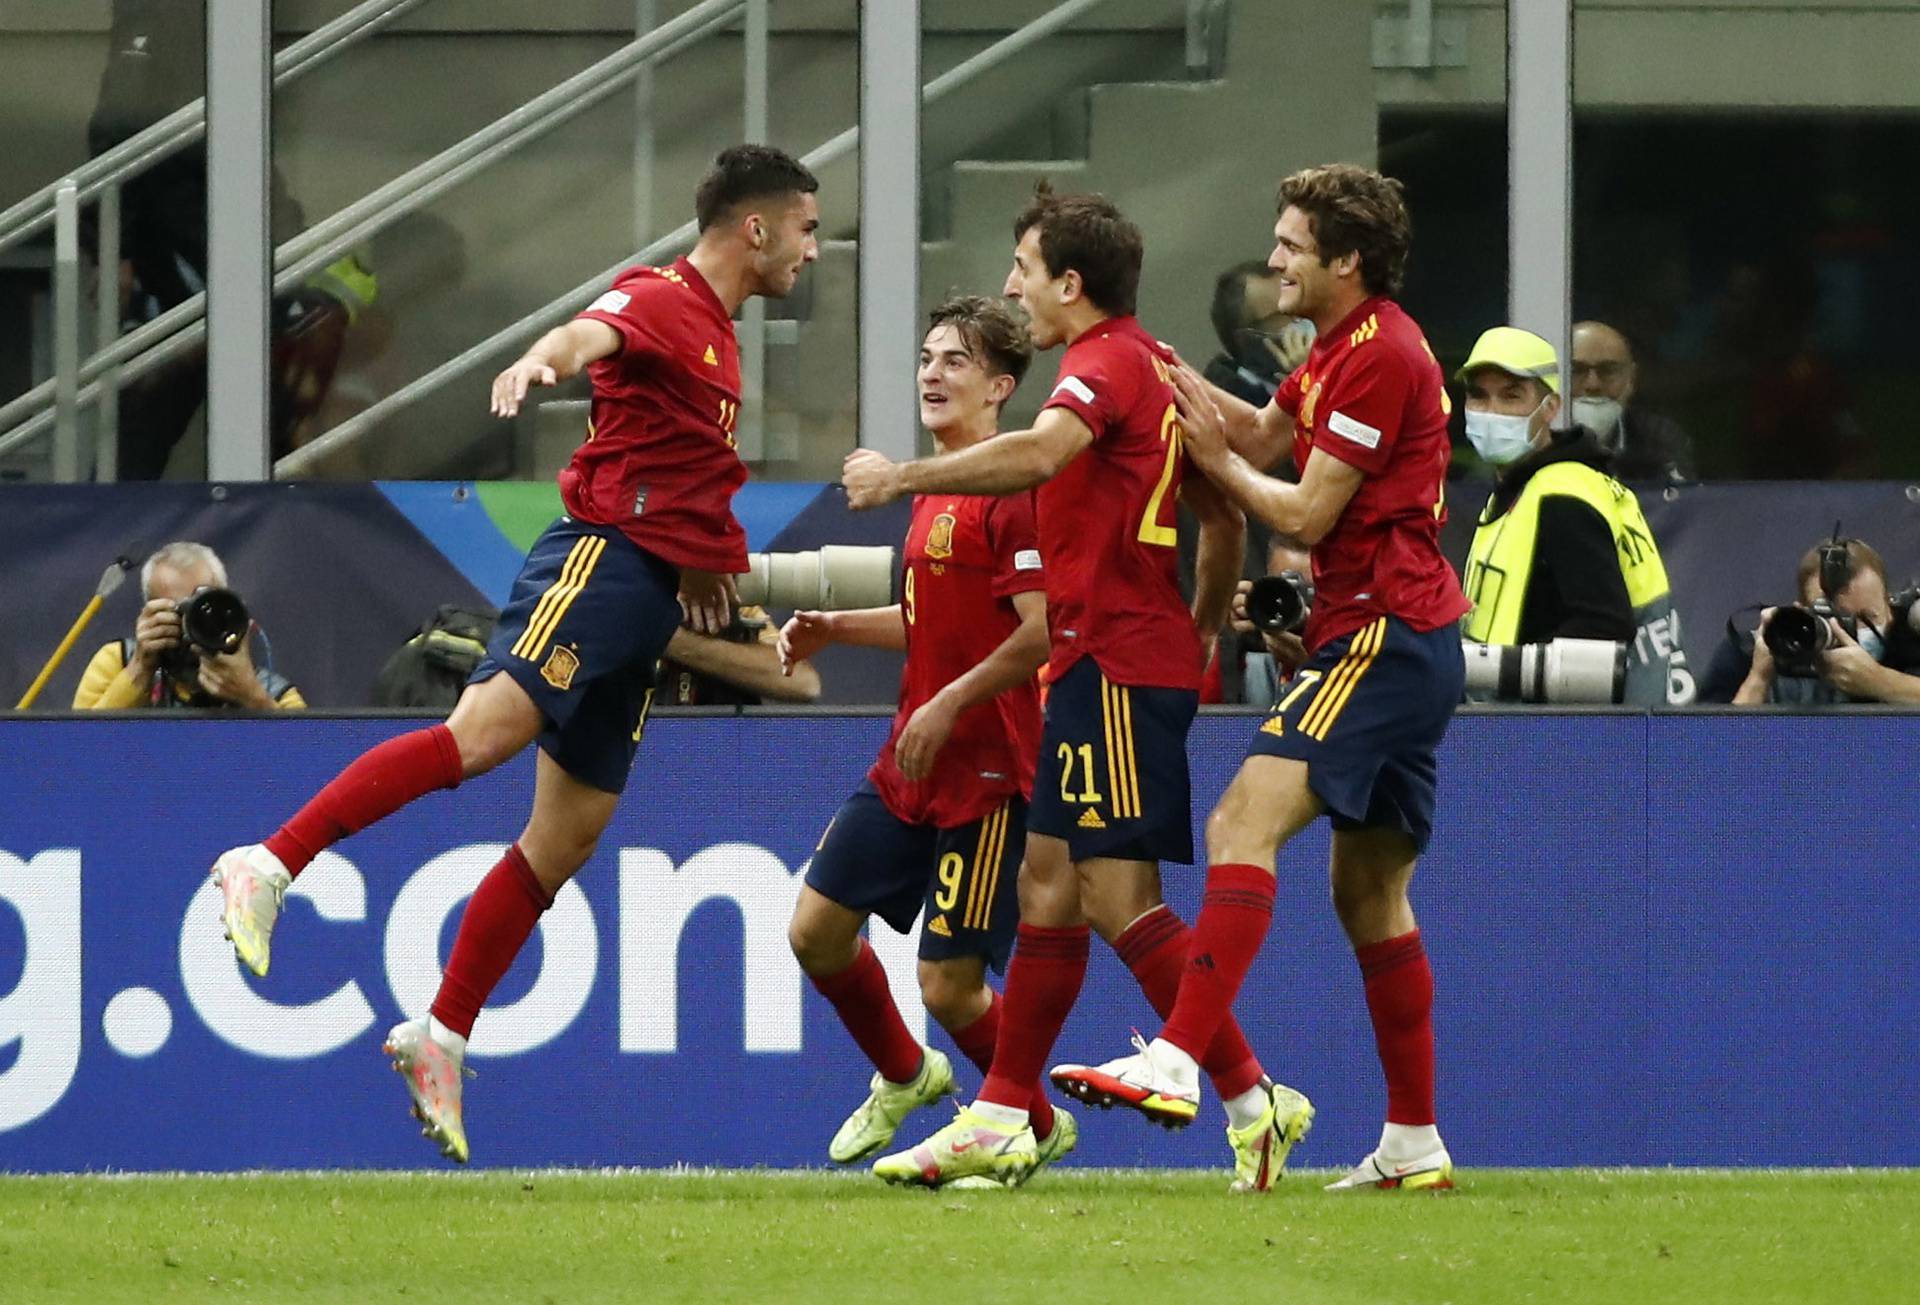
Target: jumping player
{"type": "Point", "coordinates": [1354, 738]}
{"type": "Point", "coordinates": [649, 541]}
{"type": "Point", "coordinates": [941, 818]}
{"type": "Point", "coordinates": [1110, 797]}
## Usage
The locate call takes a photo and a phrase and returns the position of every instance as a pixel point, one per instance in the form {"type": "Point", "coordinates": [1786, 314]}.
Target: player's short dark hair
{"type": "Point", "coordinates": [1355, 210]}
{"type": "Point", "coordinates": [1087, 234]}
{"type": "Point", "coordinates": [1230, 299]}
{"type": "Point", "coordinates": [743, 173]}
{"type": "Point", "coordinates": [993, 332]}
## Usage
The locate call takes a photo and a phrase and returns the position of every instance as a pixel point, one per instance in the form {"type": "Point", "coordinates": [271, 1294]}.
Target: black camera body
{"type": "Point", "coordinates": [1280, 604]}
{"type": "Point", "coordinates": [213, 623]}
{"type": "Point", "coordinates": [1797, 635]}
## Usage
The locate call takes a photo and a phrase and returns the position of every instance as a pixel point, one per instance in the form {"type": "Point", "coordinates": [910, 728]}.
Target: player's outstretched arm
{"type": "Point", "coordinates": [1005, 464]}
{"type": "Point", "coordinates": [1219, 557]}
{"type": "Point", "coordinates": [1306, 511]}
{"type": "Point", "coordinates": [1016, 661]}
{"type": "Point", "coordinates": [558, 355]}
{"type": "Point", "coordinates": [806, 633]}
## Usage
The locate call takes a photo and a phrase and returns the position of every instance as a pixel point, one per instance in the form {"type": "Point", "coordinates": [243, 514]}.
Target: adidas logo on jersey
{"type": "Point", "coordinates": [938, 924]}
{"type": "Point", "coordinates": [710, 358]}
{"type": "Point", "coordinates": [1090, 819]}
{"type": "Point", "coordinates": [1274, 725]}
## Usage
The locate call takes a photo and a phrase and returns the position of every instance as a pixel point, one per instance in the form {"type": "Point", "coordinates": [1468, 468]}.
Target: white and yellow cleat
{"type": "Point", "coordinates": [1141, 1082]}
{"type": "Point", "coordinates": [1260, 1149]}
{"type": "Point", "coordinates": [1432, 1172]}
{"type": "Point", "coordinates": [873, 1124]}
{"type": "Point", "coordinates": [1064, 1137]}
{"type": "Point", "coordinates": [433, 1075]}
{"type": "Point", "coordinates": [253, 884]}
{"type": "Point", "coordinates": [970, 1147]}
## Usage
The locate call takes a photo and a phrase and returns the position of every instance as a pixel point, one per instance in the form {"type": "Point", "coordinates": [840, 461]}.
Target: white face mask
{"type": "Point", "coordinates": [1498, 438]}
{"type": "Point", "coordinates": [1599, 415]}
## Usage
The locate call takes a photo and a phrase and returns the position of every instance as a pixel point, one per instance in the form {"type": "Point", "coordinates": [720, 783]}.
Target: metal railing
{"type": "Point", "coordinates": [176, 332]}
{"type": "Point", "coordinates": [357, 427]}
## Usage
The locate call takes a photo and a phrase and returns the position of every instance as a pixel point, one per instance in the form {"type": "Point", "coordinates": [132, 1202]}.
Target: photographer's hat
{"type": "Point", "coordinates": [1515, 352]}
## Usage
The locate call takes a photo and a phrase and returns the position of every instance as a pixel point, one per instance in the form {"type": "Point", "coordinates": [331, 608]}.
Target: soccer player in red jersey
{"type": "Point", "coordinates": [940, 823]}
{"type": "Point", "coordinates": [1354, 736]}
{"type": "Point", "coordinates": [1111, 796]}
{"type": "Point", "coordinates": [648, 541]}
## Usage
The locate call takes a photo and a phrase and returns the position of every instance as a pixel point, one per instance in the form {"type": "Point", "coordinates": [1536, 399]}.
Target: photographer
{"type": "Point", "coordinates": [161, 667]}
{"type": "Point", "coordinates": [1267, 625]}
{"type": "Point", "coordinates": [1870, 651]}
{"type": "Point", "coordinates": [740, 666]}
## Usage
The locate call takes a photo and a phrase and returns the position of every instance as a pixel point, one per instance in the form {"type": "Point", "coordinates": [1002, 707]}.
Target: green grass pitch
{"type": "Point", "coordinates": [1571, 1237]}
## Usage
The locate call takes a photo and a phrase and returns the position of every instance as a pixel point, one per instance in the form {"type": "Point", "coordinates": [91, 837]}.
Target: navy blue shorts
{"type": "Point", "coordinates": [1112, 779]}
{"type": "Point", "coordinates": [1366, 713]}
{"type": "Point", "coordinates": [967, 878]}
{"type": "Point", "coordinates": [582, 633]}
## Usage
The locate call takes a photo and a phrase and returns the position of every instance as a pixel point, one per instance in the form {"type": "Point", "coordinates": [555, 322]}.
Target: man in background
{"type": "Point", "coordinates": [1640, 444]}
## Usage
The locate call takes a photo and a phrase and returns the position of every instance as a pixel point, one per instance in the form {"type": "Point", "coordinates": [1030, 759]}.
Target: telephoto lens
{"type": "Point", "coordinates": [1280, 604]}
{"type": "Point", "coordinates": [214, 621]}
{"type": "Point", "coordinates": [837, 577]}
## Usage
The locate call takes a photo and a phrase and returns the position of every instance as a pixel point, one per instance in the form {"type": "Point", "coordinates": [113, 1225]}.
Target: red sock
{"type": "Point", "coordinates": [864, 1002]}
{"type": "Point", "coordinates": [976, 1042]}
{"type": "Point", "coordinates": [1043, 980]}
{"type": "Point", "coordinates": [1154, 947]}
{"type": "Point", "coordinates": [1400, 999]}
{"type": "Point", "coordinates": [1234, 916]}
{"type": "Point", "coordinates": [494, 927]}
{"type": "Point", "coordinates": [379, 783]}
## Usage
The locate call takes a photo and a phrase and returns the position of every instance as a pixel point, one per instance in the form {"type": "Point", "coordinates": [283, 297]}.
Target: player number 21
{"type": "Point", "coordinates": [1151, 531]}
{"type": "Point", "coordinates": [1088, 793]}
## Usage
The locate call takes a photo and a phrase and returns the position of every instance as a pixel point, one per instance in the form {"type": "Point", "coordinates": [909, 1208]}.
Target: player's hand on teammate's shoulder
{"type": "Point", "coordinates": [1203, 428]}
{"type": "Point", "coordinates": [511, 386]}
{"type": "Point", "coordinates": [707, 600]}
{"type": "Point", "coordinates": [872, 479]}
{"type": "Point", "coordinates": [804, 634]}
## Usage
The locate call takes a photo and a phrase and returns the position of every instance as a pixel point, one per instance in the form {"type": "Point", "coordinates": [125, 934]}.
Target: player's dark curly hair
{"type": "Point", "coordinates": [1355, 210]}
{"type": "Point", "coordinates": [1087, 234]}
{"type": "Point", "coordinates": [992, 330]}
{"type": "Point", "coordinates": [743, 173]}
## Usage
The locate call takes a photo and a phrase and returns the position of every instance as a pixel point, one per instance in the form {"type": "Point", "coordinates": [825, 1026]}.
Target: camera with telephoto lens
{"type": "Point", "coordinates": [1797, 635]}
{"type": "Point", "coordinates": [1280, 604]}
{"type": "Point", "coordinates": [1560, 671]}
{"type": "Point", "coordinates": [213, 623]}
{"type": "Point", "coordinates": [834, 577]}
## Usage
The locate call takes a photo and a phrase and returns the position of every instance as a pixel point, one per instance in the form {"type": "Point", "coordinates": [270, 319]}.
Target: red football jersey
{"type": "Point", "coordinates": [966, 556]}
{"type": "Point", "coordinates": [659, 461]}
{"type": "Point", "coordinates": [1108, 522]}
{"type": "Point", "coordinates": [1371, 394]}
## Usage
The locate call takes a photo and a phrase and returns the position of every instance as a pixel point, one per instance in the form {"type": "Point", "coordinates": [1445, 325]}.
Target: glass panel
{"type": "Point", "coordinates": [1747, 236]}
{"type": "Point", "coordinates": [75, 81]}
{"type": "Point", "coordinates": [545, 217]}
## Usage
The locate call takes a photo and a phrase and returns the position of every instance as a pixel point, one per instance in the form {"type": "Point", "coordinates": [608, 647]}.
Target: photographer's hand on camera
{"type": "Point", "coordinates": [155, 634]}
{"type": "Point", "coordinates": [1761, 671]}
{"type": "Point", "coordinates": [707, 600]}
{"type": "Point", "coordinates": [1851, 670]}
{"type": "Point", "coordinates": [1288, 650]}
{"type": "Point", "coordinates": [231, 678]}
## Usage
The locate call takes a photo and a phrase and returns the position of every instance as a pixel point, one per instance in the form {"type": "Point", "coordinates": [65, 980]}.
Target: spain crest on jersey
{"type": "Point", "coordinates": [940, 536]}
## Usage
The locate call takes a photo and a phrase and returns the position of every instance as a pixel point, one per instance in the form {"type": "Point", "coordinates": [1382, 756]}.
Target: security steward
{"type": "Point", "coordinates": [1562, 550]}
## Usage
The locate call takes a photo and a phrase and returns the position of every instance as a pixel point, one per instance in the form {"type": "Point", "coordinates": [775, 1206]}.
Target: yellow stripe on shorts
{"type": "Point", "coordinates": [1338, 686]}
{"type": "Point", "coordinates": [986, 869]}
{"type": "Point", "coordinates": [559, 596]}
{"type": "Point", "coordinates": [1116, 716]}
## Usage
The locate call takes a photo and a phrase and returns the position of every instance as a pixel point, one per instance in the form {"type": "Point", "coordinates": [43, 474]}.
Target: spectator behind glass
{"type": "Point", "coordinates": [1259, 344]}
{"type": "Point", "coordinates": [1878, 665]}
{"type": "Point", "coordinates": [1640, 444]}
{"type": "Point", "coordinates": [155, 669]}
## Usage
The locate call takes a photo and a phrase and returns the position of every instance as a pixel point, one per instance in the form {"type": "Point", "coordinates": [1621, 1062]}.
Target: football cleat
{"type": "Point", "coordinates": [1260, 1149]}
{"type": "Point", "coordinates": [1064, 1137]}
{"type": "Point", "coordinates": [1432, 1172]}
{"type": "Point", "coordinates": [253, 884]}
{"type": "Point", "coordinates": [969, 1147]}
{"type": "Point", "coordinates": [873, 1125]}
{"type": "Point", "coordinates": [1136, 1081]}
{"type": "Point", "coordinates": [433, 1081]}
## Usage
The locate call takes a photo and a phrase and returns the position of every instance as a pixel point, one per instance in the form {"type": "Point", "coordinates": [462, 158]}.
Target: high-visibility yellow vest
{"type": "Point", "coordinates": [1500, 565]}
